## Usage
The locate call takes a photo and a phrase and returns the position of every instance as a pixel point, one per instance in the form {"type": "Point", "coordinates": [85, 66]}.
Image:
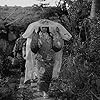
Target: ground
{"type": "Point", "coordinates": [9, 90]}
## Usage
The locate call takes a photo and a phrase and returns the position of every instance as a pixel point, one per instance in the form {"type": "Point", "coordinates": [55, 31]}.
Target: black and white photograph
{"type": "Point", "coordinates": [49, 49]}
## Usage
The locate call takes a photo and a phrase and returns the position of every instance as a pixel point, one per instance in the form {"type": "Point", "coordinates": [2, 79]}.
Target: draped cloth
{"type": "Point", "coordinates": [31, 63]}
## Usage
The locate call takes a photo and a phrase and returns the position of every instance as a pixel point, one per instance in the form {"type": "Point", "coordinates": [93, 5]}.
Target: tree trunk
{"type": "Point", "coordinates": [93, 8]}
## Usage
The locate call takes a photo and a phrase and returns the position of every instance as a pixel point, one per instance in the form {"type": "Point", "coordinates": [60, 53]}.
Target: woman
{"type": "Point", "coordinates": [44, 51]}
{"type": "Point", "coordinates": [45, 60]}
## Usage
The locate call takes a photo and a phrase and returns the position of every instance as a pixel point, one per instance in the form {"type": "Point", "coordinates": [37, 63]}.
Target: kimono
{"type": "Point", "coordinates": [46, 63]}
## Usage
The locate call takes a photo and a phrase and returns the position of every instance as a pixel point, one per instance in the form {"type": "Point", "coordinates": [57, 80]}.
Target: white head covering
{"type": "Point", "coordinates": [30, 57]}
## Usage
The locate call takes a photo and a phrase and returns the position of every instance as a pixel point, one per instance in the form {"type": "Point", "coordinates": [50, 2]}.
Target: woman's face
{"type": "Point", "coordinates": [44, 29]}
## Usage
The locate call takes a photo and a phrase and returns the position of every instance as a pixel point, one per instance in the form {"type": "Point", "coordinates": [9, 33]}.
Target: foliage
{"type": "Point", "coordinates": [79, 78]}
{"type": "Point", "coordinates": [80, 68]}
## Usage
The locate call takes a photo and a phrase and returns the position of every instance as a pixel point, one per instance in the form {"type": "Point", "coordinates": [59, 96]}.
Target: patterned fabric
{"type": "Point", "coordinates": [45, 61]}
{"type": "Point", "coordinates": [18, 45]}
{"type": "Point", "coordinates": [46, 45]}
{"type": "Point", "coordinates": [45, 74]}
{"type": "Point", "coordinates": [18, 53]}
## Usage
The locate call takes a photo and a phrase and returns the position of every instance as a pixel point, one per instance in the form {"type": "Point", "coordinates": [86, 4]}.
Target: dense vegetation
{"type": "Point", "coordinates": [80, 73]}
